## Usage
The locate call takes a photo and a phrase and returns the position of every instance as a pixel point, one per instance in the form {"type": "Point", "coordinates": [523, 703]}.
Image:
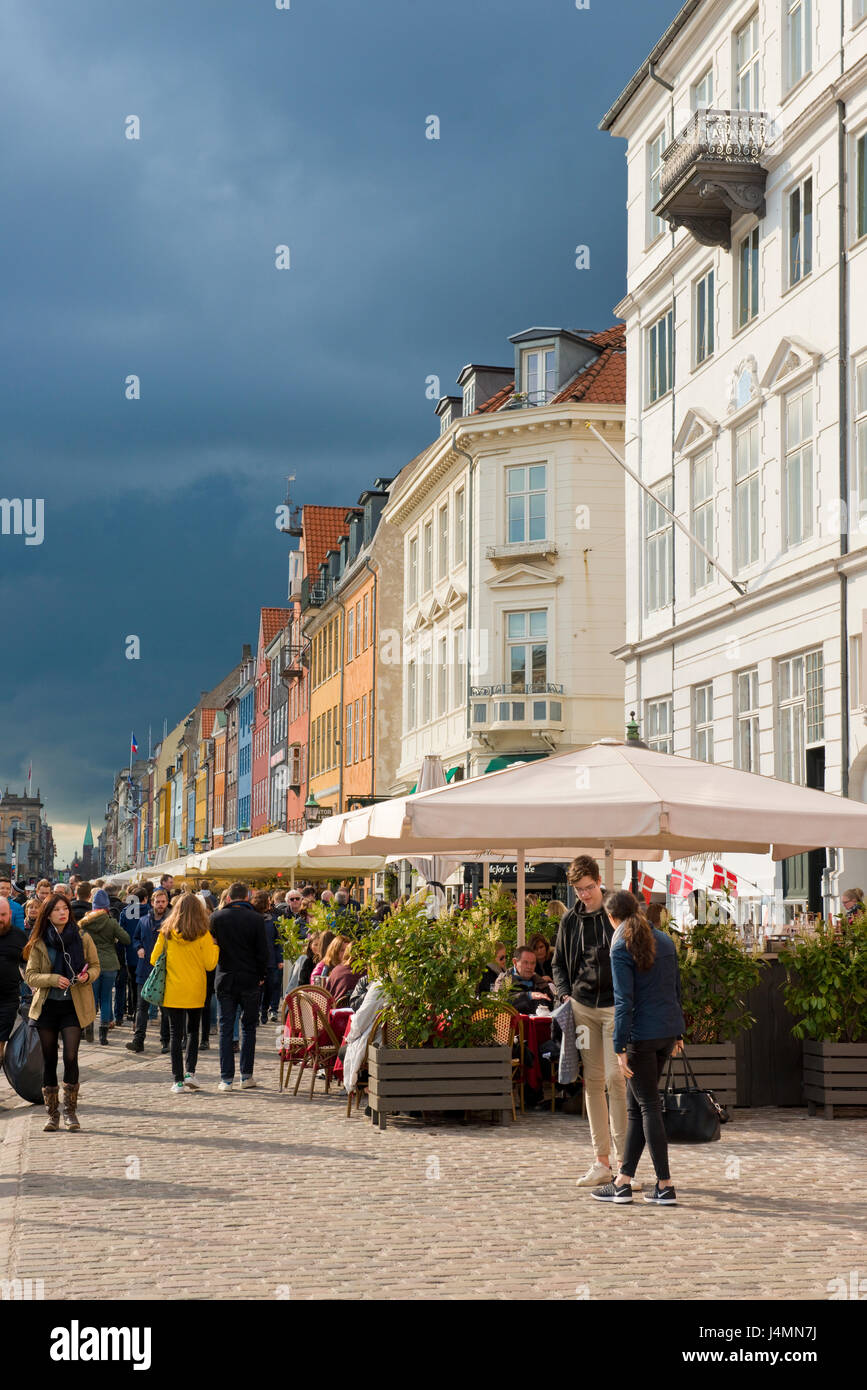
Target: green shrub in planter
{"type": "Point", "coordinates": [827, 989]}
{"type": "Point", "coordinates": [430, 971]}
{"type": "Point", "coordinates": [716, 973]}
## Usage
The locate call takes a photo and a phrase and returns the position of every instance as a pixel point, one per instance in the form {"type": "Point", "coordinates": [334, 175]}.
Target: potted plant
{"type": "Point", "coordinates": [716, 973]}
{"type": "Point", "coordinates": [827, 993]}
{"type": "Point", "coordinates": [445, 1058]}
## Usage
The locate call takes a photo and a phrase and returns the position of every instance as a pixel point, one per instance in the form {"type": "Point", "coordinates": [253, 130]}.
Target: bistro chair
{"type": "Point", "coordinates": [508, 1032]}
{"type": "Point", "coordinates": [385, 1023]}
{"type": "Point", "coordinates": [292, 1042]}
{"type": "Point", "coordinates": [321, 1042]}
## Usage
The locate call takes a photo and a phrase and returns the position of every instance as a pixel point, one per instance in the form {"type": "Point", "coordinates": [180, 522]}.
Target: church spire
{"type": "Point", "coordinates": [88, 836]}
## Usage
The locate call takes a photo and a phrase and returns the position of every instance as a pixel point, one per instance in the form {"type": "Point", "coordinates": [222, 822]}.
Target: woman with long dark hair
{"type": "Point", "coordinates": [62, 965]}
{"type": "Point", "coordinates": [648, 1029]}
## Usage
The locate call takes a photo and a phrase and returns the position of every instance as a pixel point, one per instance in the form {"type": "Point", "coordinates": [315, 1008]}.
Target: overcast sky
{"type": "Point", "coordinates": [156, 257]}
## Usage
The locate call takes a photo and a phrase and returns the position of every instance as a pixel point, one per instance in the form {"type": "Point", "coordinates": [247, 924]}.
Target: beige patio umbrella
{"type": "Point", "coordinates": [605, 798]}
{"type": "Point", "coordinates": [276, 852]}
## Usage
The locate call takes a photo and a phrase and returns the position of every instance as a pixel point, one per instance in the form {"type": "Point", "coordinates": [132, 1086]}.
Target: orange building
{"type": "Point", "coordinates": [358, 600]}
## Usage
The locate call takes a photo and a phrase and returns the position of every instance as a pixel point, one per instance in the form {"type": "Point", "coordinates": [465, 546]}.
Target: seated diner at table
{"type": "Point", "coordinates": [523, 987]}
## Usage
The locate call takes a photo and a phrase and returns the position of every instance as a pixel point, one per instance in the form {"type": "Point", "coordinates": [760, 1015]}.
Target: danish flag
{"type": "Point", "coordinates": [724, 878]}
{"type": "Point", "coordinates": [680, 885]}
{"type": "Point", "coordinates": [645, 886]}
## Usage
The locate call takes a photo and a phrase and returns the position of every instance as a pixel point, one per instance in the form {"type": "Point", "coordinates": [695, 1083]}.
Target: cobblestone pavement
{"type": "Point", "coordinates": [228, 1196]}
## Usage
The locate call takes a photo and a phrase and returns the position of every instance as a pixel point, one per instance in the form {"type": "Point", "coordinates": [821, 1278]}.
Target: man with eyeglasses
{"type": "Point", "coordinates": [582, 974]}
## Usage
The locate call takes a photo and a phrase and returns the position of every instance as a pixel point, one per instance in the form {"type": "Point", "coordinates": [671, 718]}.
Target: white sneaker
{"type": "Point", "coordinates": [190, 1081]}
{"type": "Point", "coordinates": [596, 1176]}
{"type": "Point", "coordinates": [248, 1084]}
{"type": "Point", "coordinates": [177, 1087]}
{"type": "Point", "coordinates": [225, 1086]}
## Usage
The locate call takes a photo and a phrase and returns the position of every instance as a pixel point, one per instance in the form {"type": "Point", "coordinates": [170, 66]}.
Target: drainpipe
{"type": "Point", "coordinates": [371, 713]}
{"type": "Point", "coordinates": [843, 426]}
{"type": "Point", "coordinates": [471, 511]}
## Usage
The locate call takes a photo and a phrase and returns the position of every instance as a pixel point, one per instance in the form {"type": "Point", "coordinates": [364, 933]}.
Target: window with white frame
{"type": "Point", "coordinates": [798, 39]}
{"type": "Point", "coordinates": [427, 553]}
{"type": "Point", "coordinates": [702, 91]}
{"type": "Point", "coordinates": [350, 635]}
{"type": "Point", "coordinates": [443, 541]}
{"type": "Point", "coordinates": [704, 317]}
{"type": "Point", "coordinates": [657, 725]}
{"type": "Point", "coordinates": [470, 398]}
{"type": "Point", "coordinates": [655, 149]}
{"type": "Point", "coordinates": [861, 184]}
{"type": "Point", "coordinates": [365, 610]}
{"type": "Point", "coordinates": [459, 526]}
{"type": "Point", "coordinates": [859, 11]}
{"type": "Point", "coordinates": [702, 519]}
{"type": "Point", "coordinates": [357, 729]}
{"type": "Point", "coordinates": [363, 749]}
{"type": "Point", "coordinates": [702, 722]}
{"type": "Point", "coordinates": [411, 695]}
{"type": "Point", "coordinates": [527, 651]}
{"type": "Point", "coordinates": [538, 375]}
{"type": "Point", "coordinates": [660, 357]}
{"type": "Point", "coordinates": [746, 93]}
{"type": "Point", "coordinates": [747, 716]}
{"type": "Point", "coordinates": [747, 495]}
{"type": "Point", "coordinates": [442, 676]}
{"type": "Point", "coordinates": [412, 572]}
{"type": "Point", "coordinates": [800, 712]}
{"type": "Point", "coordinates": [658, 549]}
{"type": "Point", "coordinates": [800, 216]}
{"type": "Point", "coordinates": [748, 278]}
{"type": "Point", "coordinates": [426, 678]}
{"type": "Point", "coordinates": [861, 431]}
{"type": "Point", "coordinates": [855, 671]}
{"type": "Point", "coordinates": [798, 468]}
{"type": "Point", "coordinates": [348, 736]}
{"type": "Point", "coordinates": [526, 503]}
{"type": "Point", "coordinates": [458, 667]}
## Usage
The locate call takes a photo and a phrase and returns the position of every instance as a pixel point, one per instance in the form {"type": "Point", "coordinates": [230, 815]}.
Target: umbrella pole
{"type": "Point", "coordinates": [291, 878]}
{"type": "Point", "coordinates": [609, 867]}
{"type": "Point", "coordinates": [486, 875]}
{"type": "Point", "coordinates": [522, 896]}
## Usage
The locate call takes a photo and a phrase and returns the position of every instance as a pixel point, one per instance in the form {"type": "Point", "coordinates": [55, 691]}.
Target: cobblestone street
{"type": "Point", "coordinates": [217, 1196]}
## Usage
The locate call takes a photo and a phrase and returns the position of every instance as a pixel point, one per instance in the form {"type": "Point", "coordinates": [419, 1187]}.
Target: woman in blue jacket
{"type": "Point", "coordinates": [648, 1029]}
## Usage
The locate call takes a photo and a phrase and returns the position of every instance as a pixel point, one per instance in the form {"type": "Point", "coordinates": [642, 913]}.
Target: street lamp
{"type": "Point", "coordinates": [313, 812]}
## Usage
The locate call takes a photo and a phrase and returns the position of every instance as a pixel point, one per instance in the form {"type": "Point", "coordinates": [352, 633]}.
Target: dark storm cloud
{"type": "Point", "coordinates": [156, 257]}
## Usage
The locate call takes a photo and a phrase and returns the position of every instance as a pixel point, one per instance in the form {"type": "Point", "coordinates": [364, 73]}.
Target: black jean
{"type": "Point", "coordinates": [230, 1000]}
{"type": "Point", "coordinates": [646, 1060]}
{"type": "Point", "coordinates": [141, 1022]}
{"type": "Point", "coordinates": [58, 1022]}
{"type": "Point", "coordinates": [184, 1025]}
{"type": "Point", "coordinates": [131, 991]}
{"type": "Point", "coordinates": [206, 1011]}
{"type": "Point", "coordinates": [269, 1001]}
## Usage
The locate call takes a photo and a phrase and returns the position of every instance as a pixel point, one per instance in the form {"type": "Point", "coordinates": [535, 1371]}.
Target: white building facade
{"type": "Point", "coordinates": [746, 393]}
{"type": "Point", "coordinates": [512, 526]}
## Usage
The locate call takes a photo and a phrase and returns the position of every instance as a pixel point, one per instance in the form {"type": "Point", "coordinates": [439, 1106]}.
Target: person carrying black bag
{"type": "Point", "coordinates": [648, 1029]}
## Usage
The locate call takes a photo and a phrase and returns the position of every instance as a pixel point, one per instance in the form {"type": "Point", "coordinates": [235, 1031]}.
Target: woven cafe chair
{"type": "Point", "coordinates": [508, 1031]}
{"type": "Point", "coordinates": [386, 1023]}
{"type": "Point", "coordinates": [293, 1045]}
{"type": "Point", "coordinates": [322, 1044]}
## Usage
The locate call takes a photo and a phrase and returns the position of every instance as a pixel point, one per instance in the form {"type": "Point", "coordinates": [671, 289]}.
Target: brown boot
{"type": "Point", "coordinates": [50, 1095]}
{"type": "Point", "coordinates": [70, 1101]}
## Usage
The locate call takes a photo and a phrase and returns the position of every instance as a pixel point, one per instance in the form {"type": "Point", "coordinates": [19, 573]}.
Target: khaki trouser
{"type": "Point", "coordinates": [595, 1029]}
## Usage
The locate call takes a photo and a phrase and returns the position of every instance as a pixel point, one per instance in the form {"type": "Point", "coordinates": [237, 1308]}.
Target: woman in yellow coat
{"type": "Point", "coordinates": [191, 952]}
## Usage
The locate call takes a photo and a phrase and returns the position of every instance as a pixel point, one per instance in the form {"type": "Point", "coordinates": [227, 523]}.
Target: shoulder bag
{"type": "Point", "coordinates": [154, 988]}
{"type": "Point", "coordinates": [690, 1114]}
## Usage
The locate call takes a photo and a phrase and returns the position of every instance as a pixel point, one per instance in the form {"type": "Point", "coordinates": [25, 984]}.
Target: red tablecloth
{"type": "Point", "coordinates": [536, 1032]}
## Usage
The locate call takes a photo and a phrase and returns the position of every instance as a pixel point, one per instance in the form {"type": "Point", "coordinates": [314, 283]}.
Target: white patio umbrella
{"type": "Point", "coordinates": [604, 798]}
{"type": "Point", "coordinates": [275, 853]}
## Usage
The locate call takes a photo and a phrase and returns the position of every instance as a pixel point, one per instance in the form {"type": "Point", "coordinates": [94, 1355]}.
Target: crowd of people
{"type": "Point", "coordinates": [77, 956]}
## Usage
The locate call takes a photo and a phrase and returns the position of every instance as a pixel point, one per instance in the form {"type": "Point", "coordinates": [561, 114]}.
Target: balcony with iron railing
{"type": "Point", "coordinates": [313, 593]}
{"type": "Point", "coordinates": [505, 707]}
{"type": "Point", "coordinates": [293, 661]}
{"type": "Point", "coordinates": [713, 172]}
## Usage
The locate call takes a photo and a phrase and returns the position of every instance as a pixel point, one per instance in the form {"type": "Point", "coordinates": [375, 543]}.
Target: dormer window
{"type": "Point", "coordinates": [470, 398]}
{"type": "Point", "coordinates": [538, 375]}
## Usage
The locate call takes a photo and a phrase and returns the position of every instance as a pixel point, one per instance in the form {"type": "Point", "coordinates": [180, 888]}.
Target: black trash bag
{"type": "Point", "coordinates": [22, 1061]}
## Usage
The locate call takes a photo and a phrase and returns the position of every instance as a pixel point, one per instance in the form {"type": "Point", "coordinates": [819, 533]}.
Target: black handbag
{"type": "Point", "coordinates": [690, 1114]}
{"type": "Point", "coordinates": [22, 1061]}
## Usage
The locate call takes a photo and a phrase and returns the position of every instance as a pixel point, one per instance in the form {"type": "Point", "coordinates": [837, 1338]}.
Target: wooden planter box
{"type": "Point", "coordinates": [439, 1078]}
{"type": "Point", "coordinates": [834, 1074]}
{"type": "Point", "coordinates": [715, 1069]}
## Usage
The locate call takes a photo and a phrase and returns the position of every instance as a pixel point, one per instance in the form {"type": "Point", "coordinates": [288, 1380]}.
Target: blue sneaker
{"type": "Point", "coordinates": [612, 1193]}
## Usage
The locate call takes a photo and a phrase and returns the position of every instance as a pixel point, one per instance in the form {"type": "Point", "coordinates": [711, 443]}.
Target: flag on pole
{"type": "Point", "coordinates": [724, 878]}
{"type": "Point", "coordinates": [680, 885]}
{"type": "Point", "coordinates": [645, 886]}
{"type": "Point", "coordinates": [30, 778]}
{"type": "Point", "coordinates": [133, 746]}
